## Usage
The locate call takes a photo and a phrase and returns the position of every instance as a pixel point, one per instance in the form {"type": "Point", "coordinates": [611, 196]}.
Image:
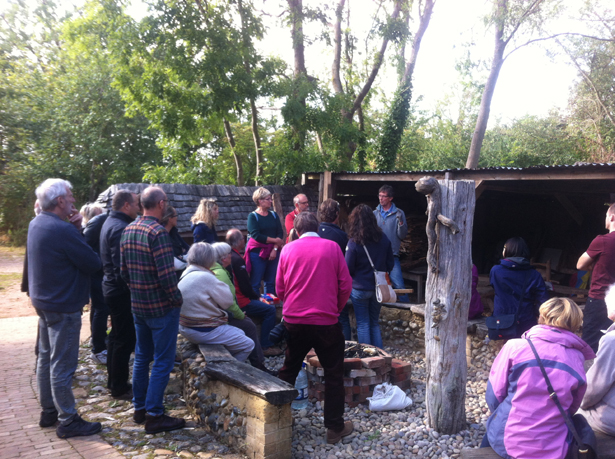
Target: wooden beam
{"type": "Point", "coordinates": [570, 208]}
{"type": "Point", "coordinates": [327, 187]}
{"type": "Point", "coordinates": [277, 206]}
{"type": "Point", "coordinates": [321, 188]}
{"type": "Point", "coordinates": [479, 187]}
{"type": "Point", "coordinates": [252, 380]}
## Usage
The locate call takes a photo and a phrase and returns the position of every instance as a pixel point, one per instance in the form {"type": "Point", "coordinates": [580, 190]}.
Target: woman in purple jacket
{"type": "Point", "coordinates": [525, 422]}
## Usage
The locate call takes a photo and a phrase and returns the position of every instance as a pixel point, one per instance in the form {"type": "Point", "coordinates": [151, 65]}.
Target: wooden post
{"type": "Point", "coordinates": [447, 299]}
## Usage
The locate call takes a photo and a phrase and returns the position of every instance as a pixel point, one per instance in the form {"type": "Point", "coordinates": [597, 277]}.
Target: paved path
{"type": "Point", "coordinates": [20, 434]}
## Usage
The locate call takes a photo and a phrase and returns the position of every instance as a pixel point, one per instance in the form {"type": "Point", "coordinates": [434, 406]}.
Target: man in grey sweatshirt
{"type": "Point", "coordinates": [392, 220]}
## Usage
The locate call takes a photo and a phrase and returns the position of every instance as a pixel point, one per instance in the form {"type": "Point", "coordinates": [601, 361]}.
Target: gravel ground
{"type": "Point", "coordinates": [400, 434]}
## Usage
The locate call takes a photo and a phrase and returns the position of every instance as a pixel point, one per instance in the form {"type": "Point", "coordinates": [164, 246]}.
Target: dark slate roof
{"type": "Point", "coordinates": [234, 202]}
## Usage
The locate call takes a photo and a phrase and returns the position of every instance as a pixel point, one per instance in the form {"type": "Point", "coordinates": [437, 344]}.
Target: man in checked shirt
{"type": "Point", "coordinates": [147, 266]}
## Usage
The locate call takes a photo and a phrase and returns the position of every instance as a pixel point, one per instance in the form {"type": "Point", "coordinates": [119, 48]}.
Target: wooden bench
{"type": "Point", "coordinates": [243, 405]}
{"type": "Point", "coordinates": [606, 449]}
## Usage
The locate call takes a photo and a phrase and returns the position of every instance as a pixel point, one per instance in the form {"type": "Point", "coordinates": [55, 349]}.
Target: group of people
{"type": "Point", "coordinates": [546, 363]}
{"type": "Point", "coordinates": [134, 265]}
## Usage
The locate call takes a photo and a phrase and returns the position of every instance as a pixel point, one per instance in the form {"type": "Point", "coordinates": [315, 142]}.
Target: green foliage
{"type": "Point", "coordinates": [393, 128]}
{"type": "Point", "coordinates": [60, 118]}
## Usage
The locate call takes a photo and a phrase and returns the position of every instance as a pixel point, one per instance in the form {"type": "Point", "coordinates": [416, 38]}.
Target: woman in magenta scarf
{"type": "Point", "coordinates": [264, 242]}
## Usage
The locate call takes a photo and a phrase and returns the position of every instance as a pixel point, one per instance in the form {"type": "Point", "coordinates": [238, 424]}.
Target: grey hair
{"type": "Point", "coordinates": [201, 254]}
{"type": "Point", "coordinates": [151, 196]}
{"type": "Point", "coordinates": [234, 237]}
{"type": "Point", "coordinates": [50, 190]}
{"type": "Point", "coordinates": [296, 199]}
{"type": "Point", "coordinates": [221, 249]}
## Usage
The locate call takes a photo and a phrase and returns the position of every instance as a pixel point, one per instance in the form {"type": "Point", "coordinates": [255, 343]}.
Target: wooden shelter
{"type": "Point", "coordinates": [558, 210]}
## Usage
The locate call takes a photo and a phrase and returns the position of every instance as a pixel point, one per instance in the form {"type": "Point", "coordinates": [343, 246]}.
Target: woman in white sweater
{"type": "Point", "coordinates": [207, 305]}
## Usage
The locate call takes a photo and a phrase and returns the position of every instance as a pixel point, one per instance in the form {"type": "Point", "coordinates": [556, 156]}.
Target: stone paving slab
{"type": "Point", "coordinates": [20, 435]}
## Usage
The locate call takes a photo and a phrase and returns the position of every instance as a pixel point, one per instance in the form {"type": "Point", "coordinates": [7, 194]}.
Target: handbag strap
{"type": "Point", "coordinates": [553, 396]}
{"type": "Point", "coordinates": [370, 259]}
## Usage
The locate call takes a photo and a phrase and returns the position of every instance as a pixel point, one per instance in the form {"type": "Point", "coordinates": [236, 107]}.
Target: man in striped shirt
{"type": "Point", "coordinates": [147, 266]}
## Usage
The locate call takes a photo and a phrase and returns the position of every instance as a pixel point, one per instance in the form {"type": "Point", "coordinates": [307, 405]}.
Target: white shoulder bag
{"type": "Point", "coordinates": [384, 292]}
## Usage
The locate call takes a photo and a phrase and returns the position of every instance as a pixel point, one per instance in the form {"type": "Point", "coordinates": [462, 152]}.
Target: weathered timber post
{"type": "Point", "coordinates": [450, 213]}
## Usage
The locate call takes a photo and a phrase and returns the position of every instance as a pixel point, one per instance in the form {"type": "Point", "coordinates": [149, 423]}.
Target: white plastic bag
{"type": "Point", "coordinates": [388, 397]}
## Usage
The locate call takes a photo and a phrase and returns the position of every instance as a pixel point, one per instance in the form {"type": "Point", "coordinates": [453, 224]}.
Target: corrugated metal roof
{"type": "Point", "coordinates": [576, 166]}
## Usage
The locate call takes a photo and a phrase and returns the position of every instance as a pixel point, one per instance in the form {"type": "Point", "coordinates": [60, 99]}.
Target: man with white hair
{"type": "Point", "coordinates": [301, 203]}
{"type": "Point", "coordinates": [598, 405]}
{"type": "Point", "coordinates": [59, 267]}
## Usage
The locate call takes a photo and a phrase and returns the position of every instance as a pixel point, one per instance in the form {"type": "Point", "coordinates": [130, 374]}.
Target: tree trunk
{"type": "Point", "coordinates": [447, 300]}
{"type": "Point", "coordinates": [300, 72]}
{"type": "Point", "coordinates": [257, 143]}
{"type": "Point", "coordinates": [231, 141]}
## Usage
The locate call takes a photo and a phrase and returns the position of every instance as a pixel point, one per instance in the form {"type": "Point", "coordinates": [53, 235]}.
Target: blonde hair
{"type": "Point", "coordinates": [261, 193]}
{"type": "Point", "coordinates": [205, 212]}
{"type": "Point", "coordinates": [562, 313]}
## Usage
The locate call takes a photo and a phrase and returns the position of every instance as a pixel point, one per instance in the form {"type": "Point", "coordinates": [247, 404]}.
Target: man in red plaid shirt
{"type": "Point", "coordinates": [147, 266]}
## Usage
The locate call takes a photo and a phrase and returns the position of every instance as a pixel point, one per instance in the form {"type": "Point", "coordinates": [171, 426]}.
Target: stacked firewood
{"type": "Point", "coordinates": [413, 248]}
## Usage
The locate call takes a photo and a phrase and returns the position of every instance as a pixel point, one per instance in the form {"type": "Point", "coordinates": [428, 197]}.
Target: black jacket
{"type": "Point", "coordinates": [334, 233]}
{"type": "Point", "coordinates": [238, 264]}
{"type": "Point", "coordinates": [110, 236]}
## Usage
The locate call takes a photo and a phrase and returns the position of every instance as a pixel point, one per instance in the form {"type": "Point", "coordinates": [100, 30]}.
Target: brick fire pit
{"type": "Point", "coordinates": [362, 372]}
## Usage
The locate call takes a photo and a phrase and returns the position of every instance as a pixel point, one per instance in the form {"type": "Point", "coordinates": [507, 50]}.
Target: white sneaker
{"type": "Point", "coordinates": [100, 358]}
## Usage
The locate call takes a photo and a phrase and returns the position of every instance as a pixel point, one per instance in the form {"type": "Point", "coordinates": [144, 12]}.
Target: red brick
{"type": "Point", "coordinates": [348, 398]}
{"type": "Point", "coordinates": [314, 362]}
{"type": "Point", "coordinates": [404, 384]}
{"type": "Point", "coordinates": [350, 364]}
{"type": "Point", "coordinates": [311, 354]}
{"type": "Point", "coordinates": [383, 370]}
{"type": "Point", "coordinates": [348, 382]}
{"type": "Point", "coordinates": [369, 380]}
{"type": "Point", "coordinates": [373, 362]}
{"type": "Point", "coordinates": [361, 397]}
{"type": "Point", "coordinates": [387, 357]}
{"type": "Point", "coordinates": [400, 378]}
{"type": "Point", "coordinates": [399, 367]}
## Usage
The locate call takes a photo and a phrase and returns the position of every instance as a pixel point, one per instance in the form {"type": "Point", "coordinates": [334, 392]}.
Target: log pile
{"type": "Point", "coordinates": [413, 248]}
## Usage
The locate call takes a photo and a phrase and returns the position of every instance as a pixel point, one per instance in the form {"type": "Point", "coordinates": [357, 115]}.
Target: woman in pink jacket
{"type": "Point", "coordinates": [525, 423]}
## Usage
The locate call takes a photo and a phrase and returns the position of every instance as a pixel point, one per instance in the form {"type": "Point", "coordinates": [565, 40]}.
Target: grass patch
{"type": "Point", "coordinates": [8, 279]}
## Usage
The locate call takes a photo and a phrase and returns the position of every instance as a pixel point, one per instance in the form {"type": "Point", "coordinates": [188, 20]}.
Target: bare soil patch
{"type": "Point", "coordinates": [13, 302]}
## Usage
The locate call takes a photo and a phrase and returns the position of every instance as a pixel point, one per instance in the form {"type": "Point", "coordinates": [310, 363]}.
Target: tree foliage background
{"type": "Point", "coordinates": [185, 94]}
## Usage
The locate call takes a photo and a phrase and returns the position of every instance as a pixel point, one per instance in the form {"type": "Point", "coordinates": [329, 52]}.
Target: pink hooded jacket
{"type": "Point", "coordinates": [525, 422]}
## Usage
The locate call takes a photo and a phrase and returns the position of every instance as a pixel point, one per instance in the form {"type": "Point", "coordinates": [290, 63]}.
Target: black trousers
{"type": "Point", "coordinates": [328, 342]}
{"type": "Point", "coordinates": [98, 314]}
{"type": "Point", "coordinates": [256, 357]}
{"type": "Point", "coordinates": [595, 318]}
{"type": "Point", "coordinates": [122, 340]}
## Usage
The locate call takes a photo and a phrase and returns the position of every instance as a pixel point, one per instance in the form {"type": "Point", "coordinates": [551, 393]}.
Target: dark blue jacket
{"type": "Point", "coordinates": [110, 236]}
{"type": "Point", "coordinates": [358, 264]}
{"type": "Point", "coordinates": [203, 233]}
{"type": "Point", "coordinates": [91, 233]}
{"type": "Point", "coordinates": [334, 233]}
{"type": "Point", "coordinates": [507, 280]}
{"type": "Point", "coordinates": [59, 265]}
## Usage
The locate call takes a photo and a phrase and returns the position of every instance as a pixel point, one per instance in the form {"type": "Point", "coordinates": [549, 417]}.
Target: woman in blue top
{"type": "Point", "coordinates": [264, 242]}
{"type": "Point", "coordinates": [365, 233]}
{"type": "Point", "coordinates": [519, 288]}
{"type": "Point", "coordinates": [204, 222]}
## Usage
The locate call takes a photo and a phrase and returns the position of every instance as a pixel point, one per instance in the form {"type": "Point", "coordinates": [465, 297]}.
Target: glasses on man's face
{"type": "Point", "coordinates": [383, 196]}
{"type": "Point", "coordinates": [304, 203]}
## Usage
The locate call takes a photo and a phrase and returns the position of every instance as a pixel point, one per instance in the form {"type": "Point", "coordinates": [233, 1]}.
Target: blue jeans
{"type": "Point", "coordinates": [266, 312]}
{"type": "Point", "coordinates": [58, 355]}
{"type": "Point", "coordinates": [367, 312]}
{"type": "Point", "coordinates": [263, 270]}
{"type": "Point", "coordinates": [397, 279]}
{"type": "Point", "coordinates": [157, 341]}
